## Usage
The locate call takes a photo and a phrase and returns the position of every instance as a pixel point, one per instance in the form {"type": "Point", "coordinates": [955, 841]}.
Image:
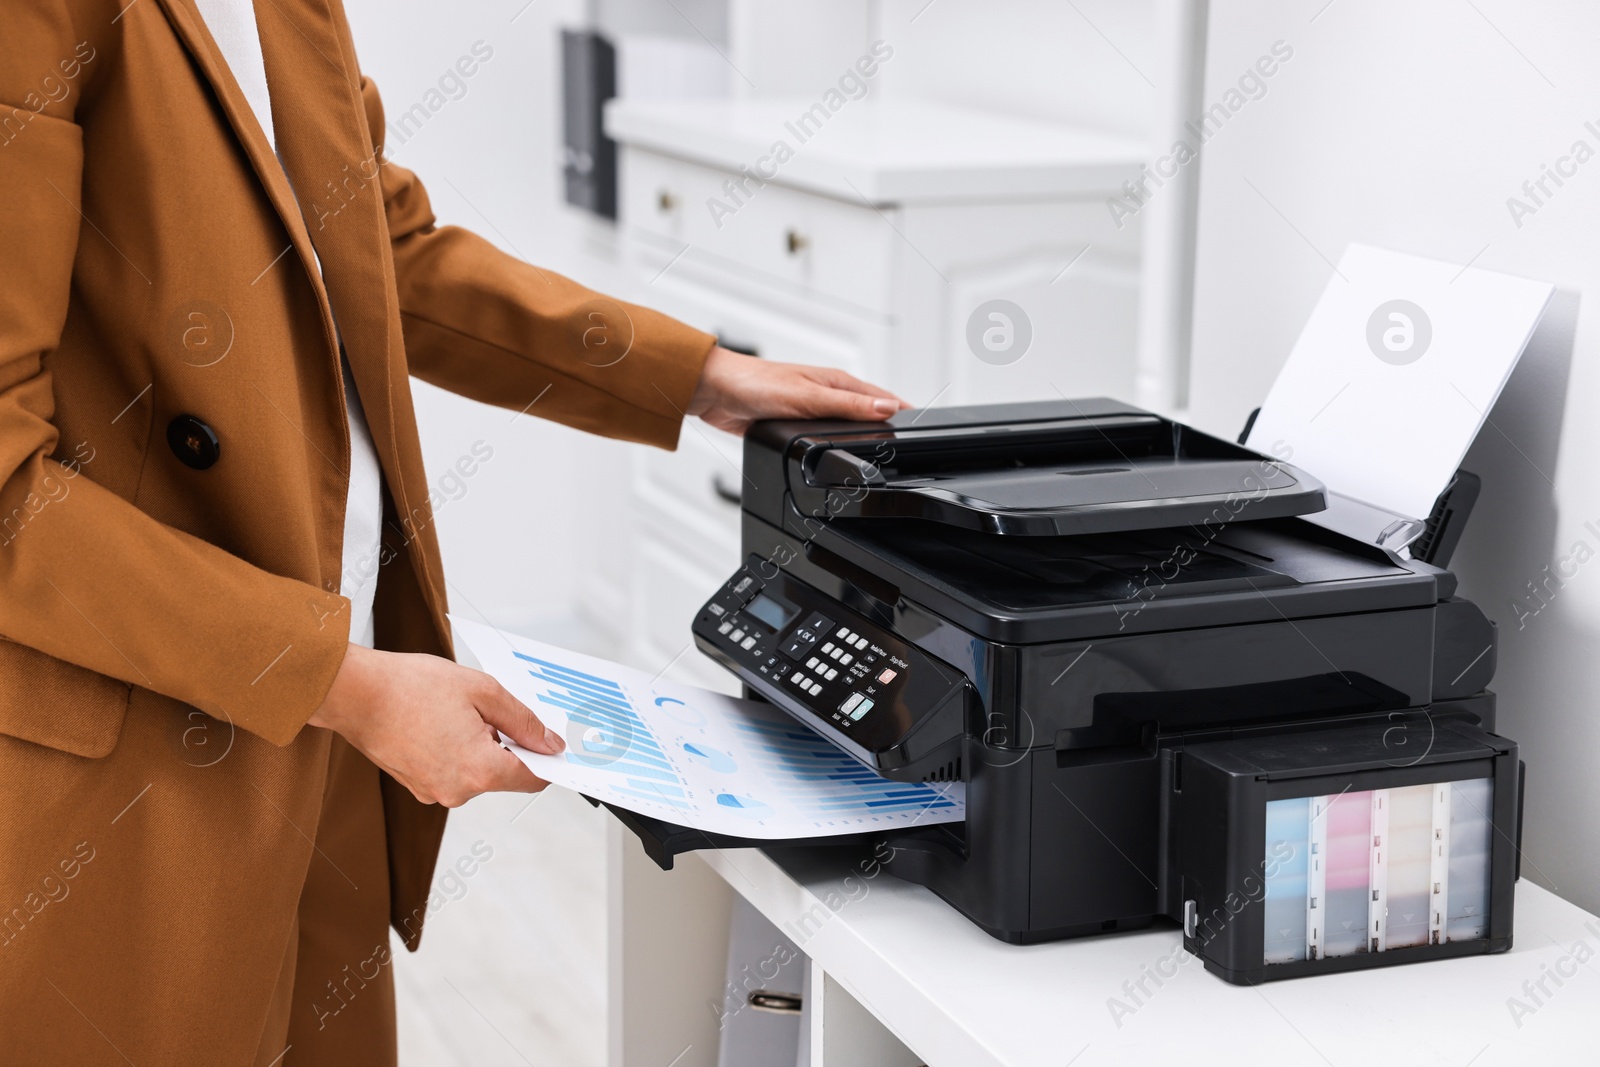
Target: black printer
{"type": "Point", "coordinates": [1164, 688]}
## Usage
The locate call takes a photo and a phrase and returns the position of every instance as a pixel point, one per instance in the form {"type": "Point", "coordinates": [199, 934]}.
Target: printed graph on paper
{"type": "Point", "coordinates": [694, 757]}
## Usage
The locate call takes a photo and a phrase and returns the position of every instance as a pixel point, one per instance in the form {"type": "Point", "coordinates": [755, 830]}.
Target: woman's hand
{"type": "Point", "coordinates": [431, 724]}
{"type": "Point", "coordinates": [736, 390]}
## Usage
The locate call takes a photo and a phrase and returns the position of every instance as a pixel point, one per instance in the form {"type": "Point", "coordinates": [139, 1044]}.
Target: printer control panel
{"type": "Point", "coordinates": [801, 649]}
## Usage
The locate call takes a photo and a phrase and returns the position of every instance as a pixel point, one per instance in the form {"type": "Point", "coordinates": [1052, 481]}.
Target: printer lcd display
{"type": "Point", "coordinates": [771, 611]}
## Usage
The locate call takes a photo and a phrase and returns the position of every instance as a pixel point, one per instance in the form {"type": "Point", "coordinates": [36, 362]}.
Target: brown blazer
{"type": "Point", "coordinates": [157, 281]}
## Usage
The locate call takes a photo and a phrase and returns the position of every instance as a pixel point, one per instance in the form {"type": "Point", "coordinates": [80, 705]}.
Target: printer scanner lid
{"type": "Point", "coordinates": [1046, 468]}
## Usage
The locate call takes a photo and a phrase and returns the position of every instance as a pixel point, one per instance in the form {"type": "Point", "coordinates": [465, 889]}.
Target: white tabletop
{"type": "Point", "coordinates": [958, 997]}
{"type": "Point", "coordinates": [888, 151]}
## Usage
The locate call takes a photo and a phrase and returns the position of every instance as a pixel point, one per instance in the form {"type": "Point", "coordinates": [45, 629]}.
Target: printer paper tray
{"type": "Point", "coordinates": [664, 841]}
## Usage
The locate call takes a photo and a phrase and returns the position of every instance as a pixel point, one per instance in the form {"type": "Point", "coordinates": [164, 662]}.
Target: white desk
{"type": "Point", "coordinates": [893, 965]}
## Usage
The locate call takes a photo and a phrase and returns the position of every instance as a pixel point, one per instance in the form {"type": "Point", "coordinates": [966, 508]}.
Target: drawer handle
{"type": "Point", "coordinates": [665, 201]}
{"type": "Point", "coordinates": [725, 491]}
{"type": "Point", "coordinates": [778, 1003]}
{"type": "Point", "coordinates": [796, 241]}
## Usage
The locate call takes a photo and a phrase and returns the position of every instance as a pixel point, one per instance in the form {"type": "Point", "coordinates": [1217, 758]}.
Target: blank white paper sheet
{"type": "Point", "coordinates": [1395, 373]}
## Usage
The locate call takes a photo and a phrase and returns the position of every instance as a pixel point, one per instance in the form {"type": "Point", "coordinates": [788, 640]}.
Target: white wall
{"type": "Point", "coordinates": [1091, 62]}
{"type": "Point", "coordinates": [796, 49]}
{"type": "Point", "coordinates": [1408, 126]}
{"type": "Point", "coordinates": [693, 20]}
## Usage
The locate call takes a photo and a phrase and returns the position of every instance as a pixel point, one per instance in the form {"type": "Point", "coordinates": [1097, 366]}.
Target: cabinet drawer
{"type": "Point", "coordinates": [690, 495]}
{"type": "Point", "coordinates": [669, 588]}
{"type": "Point", "coordinates": [849, 341]}
{"type": "Point", "coordinates": [791, 238]}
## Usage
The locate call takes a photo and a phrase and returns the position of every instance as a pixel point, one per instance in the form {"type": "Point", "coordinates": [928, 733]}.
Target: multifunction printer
{"type": "Point", "coordinates": [1165, 690]}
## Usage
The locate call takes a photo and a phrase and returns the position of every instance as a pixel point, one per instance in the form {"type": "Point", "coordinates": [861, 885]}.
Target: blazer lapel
{"type": "Point", "coordinates": [324, 154]}
{"type": "Point", "coordinates": [191, 30]}
{"type": "Point", "coordinates": [327, 149]}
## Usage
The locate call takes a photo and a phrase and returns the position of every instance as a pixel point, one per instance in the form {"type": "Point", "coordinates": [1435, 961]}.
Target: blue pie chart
{"type": "Point", "coordinates": [678, 711]}
{"type": "Point", "coordinates": [746, 806]}
{"type": "Point", "coordinates": [716, 759]}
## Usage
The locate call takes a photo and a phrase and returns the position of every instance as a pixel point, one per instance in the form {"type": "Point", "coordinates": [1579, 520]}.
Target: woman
{"type": "Point", "coordinates": [227, 738]}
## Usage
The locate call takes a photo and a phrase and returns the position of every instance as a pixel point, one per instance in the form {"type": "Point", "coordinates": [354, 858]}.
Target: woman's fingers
{"type": "Point", "coordinates": [514, 719]}
{"type": "Point", "coordinates": [831, 402]}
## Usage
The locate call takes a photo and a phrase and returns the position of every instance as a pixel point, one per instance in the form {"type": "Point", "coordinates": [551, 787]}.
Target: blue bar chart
{"type": "Point", "coordinates": [609, 733]}
{"type": "Point", "coordinates": [830, 786]}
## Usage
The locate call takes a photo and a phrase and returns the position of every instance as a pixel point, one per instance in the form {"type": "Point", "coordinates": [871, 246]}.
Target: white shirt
{"type": "Point", "coordinates": [233, 26]}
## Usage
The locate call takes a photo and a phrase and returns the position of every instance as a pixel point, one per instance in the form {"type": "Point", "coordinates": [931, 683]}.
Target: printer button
{"type": "Point", "coordinates": [716, 609]}
{"type": "Point", "coordinates": [737, 635]}
{"type": "Point", "coordinates": [797, 647]}
{"type": "Point", "coordinates": [887, 675]}
{"type": "Point", "coordinates": [832, 674]}
{"type": "Point", "coordinates": [843, 632]}
{"type": "Point", "coordinates": [816, 687]}
{"type": "Point", "coordinates": [828, 648]}
{"type": "Point", "coordinates": [748, 642]}
{"type": "Point", "coordinates": [861, 642]}
{"type": "Point", "coordinates": [743, 584]}
{"type": "Point", "coordinates": [797, 677]}
{"type": "Point", "coordinates": [725, 627]}
{"type": "Point", "coordinates": [844, 660]}
{"type": "Point", "coordinates": [850, 702]}
{"type": "Point", "coordinates": [864, 707]}
{"type": "Point", "coordinates": [812, 663]}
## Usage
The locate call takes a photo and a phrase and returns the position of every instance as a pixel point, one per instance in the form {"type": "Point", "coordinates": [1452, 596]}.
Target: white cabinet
{"type": "Point", "coordinates": [793, 241]}
{"type": "Point", "coordinates": [875, 246]}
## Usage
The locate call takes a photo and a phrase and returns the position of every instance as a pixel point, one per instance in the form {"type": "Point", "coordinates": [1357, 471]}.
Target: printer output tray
{"type": "Point", "coordinates": [664, 841]}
